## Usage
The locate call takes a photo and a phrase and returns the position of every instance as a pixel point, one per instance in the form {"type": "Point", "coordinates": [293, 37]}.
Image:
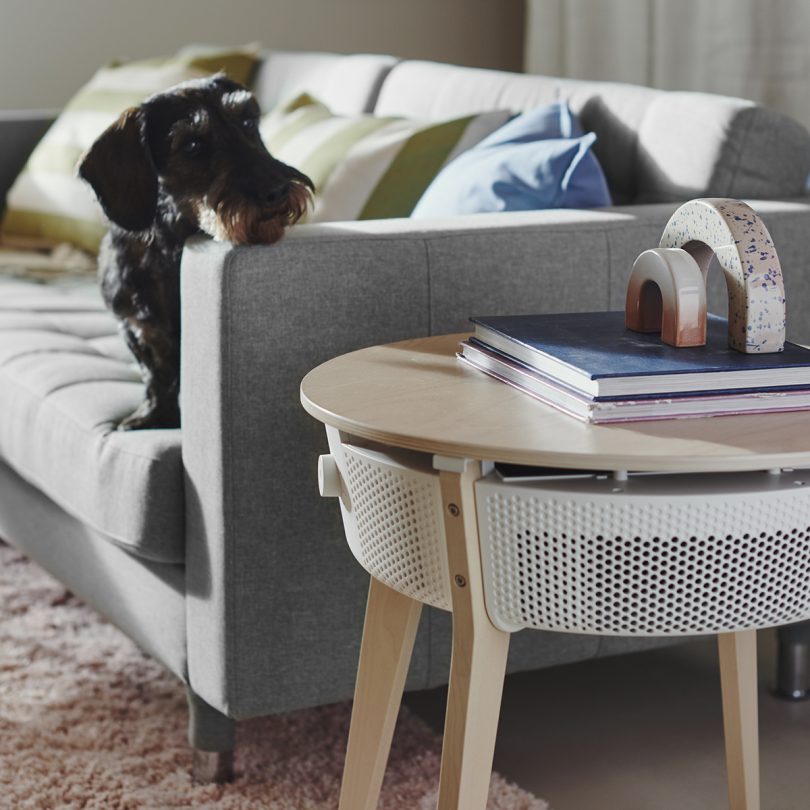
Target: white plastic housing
{"type": "Point", "coordinates": [392, 516]}
{"type": "Point", "coordinates": [656, 555]}
{"type": "Point", "coordinates": [653, 555]}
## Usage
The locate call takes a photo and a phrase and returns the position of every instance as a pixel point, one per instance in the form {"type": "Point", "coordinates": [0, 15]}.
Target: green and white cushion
{"type": "Point", "coordinates": [48, 203]}
{"type": "Point", "coordinates": [365, 167]}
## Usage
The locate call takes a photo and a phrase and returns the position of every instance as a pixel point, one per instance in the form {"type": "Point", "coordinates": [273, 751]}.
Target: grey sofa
{"type": "Point", "coordinates": [209, 546]}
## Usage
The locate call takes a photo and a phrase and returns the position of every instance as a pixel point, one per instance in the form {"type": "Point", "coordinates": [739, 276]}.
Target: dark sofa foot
{"type": "Point", "coordinates": [211, 736]}
{"type": "Point", "coordinates": [793, 662]}
{"type": "Point", "coordinates": [211, 766]}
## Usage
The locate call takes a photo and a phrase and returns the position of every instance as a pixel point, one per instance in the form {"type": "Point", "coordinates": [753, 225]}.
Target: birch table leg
{"type": "Point", "coordinates": [388, 635]}
{"type": "Point", "coordinates": [738, 675]}
{"type": "Point", "coordinates": [478, 661]}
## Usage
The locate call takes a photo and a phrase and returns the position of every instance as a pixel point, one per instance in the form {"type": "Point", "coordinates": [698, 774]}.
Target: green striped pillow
{"type": "Point", "coordinates": [48, 204]}
{"type": "Point", "coordinates": [366, 167]}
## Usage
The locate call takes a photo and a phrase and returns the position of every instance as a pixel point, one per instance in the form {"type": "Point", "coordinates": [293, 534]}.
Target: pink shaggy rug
{"type": "Point", "coordinates": [88, 721]}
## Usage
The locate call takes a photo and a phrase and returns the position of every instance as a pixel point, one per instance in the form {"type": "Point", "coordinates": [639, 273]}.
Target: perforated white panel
{"type": "Point", "coordinates": [593, 557]}
{"type": "Point", "coordinates": [395, 528]}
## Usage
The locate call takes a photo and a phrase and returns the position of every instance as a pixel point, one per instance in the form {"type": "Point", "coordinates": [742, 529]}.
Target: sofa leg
{"type": "Point", "coordinates": [211, 736]}
{"type": "Point", "coordinates": [211, 766]}
{"type": "Point", "coordinates": [793, 662]}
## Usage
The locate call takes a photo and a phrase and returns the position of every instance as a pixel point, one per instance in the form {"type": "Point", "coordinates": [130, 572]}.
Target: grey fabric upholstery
{"type": "Point", "coordinates": [267, 586]}
{"type": "Point", "coordinates": [146, 600]}
{"type": "Point", "coordinates": [66, 379]}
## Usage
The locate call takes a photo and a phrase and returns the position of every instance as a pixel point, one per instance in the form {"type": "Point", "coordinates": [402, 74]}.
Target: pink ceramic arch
{"type": "Point", "coordinates": [666, 293]}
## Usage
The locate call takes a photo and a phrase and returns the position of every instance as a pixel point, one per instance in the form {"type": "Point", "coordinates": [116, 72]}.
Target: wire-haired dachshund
{"type": "Point", "coordinates": [186, 160]}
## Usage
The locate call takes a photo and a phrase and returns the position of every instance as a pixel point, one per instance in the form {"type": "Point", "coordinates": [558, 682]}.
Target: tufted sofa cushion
{"type": "Point", "coordinates": [66, 378]}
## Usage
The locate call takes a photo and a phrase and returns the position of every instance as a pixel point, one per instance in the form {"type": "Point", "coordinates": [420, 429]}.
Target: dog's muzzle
{"type": "Point", "coordinates": [245, 221]}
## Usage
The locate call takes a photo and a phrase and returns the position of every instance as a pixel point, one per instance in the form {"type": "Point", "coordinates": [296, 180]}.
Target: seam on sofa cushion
{"type": "Point", "coordinates": [52, 326]}
{"type": "Point", "coordinates": [75, 383]}
{"type": "Point", "coordinates": [428, 331]}
{"type": "Point", "coordinates": [429, 284]}
{"type": "Point", "coordinates": [32, 352]}
{"type": "Point", "coordinates": [634, 180]}
{"type": "Point", "coordinates": [91, 433]}
{"type": "Point", "coordinates": [740, 155]}
{"type": "Point", "coordinates": [594, 218]}
{"type": "Point", "coordinates": [595, 227]}
{"type": "Point", "coordinates": [67, 415]}
{"type": "Point", "coordinates": [376, 88]}
{"type": "Point", "coordinates": [231, 673]}
{"type": "Point", "coordinates": [609, 260]}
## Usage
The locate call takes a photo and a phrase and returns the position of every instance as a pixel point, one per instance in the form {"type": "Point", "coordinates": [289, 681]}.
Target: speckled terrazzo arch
{"type": "Point", "coordinates": [732, 231]}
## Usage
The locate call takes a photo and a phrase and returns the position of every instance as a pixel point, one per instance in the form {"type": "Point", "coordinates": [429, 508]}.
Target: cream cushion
{"type": "Point", "coordinates": [48, 203]}
{"type": "Point", "coordinates": [365, 166]}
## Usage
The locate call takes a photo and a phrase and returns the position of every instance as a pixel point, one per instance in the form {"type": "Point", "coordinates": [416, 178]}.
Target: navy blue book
{"type": "Point", "coordinates": [593, 353]}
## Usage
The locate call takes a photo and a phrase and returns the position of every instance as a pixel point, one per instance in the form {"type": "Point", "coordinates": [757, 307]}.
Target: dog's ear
{"type": "Point", "coordinates": [119, 168]}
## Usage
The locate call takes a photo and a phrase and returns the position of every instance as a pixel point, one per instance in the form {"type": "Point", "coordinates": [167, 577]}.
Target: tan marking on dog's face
{"type": "Point", "coordinates": [210, 223]}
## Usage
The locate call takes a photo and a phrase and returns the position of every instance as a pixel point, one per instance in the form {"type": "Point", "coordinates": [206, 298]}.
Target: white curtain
{"type": "Point", "coordinates": [757, 49]}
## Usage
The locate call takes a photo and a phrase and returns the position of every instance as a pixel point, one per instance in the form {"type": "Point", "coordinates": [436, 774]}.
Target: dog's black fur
{"type": "Point", "coordinates": [187, 160]}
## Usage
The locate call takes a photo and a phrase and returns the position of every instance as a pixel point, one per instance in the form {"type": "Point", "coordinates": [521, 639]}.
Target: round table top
{"type": "Point", "coordinates": [416, 394]}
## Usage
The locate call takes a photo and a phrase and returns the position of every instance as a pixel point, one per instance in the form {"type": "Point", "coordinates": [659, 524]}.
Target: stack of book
{"type": "Point", "coordinates": [589, 366]}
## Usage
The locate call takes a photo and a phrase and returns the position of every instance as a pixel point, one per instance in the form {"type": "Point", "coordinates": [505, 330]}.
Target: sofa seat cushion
{"type": "Point", "coordinates": [66, 379]}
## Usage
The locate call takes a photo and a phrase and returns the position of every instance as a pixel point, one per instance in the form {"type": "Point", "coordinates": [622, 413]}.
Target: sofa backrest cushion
{"type": "Point", "coordinates": [654, 145]}
{"type": "Point", "coordinates": [346, 84]}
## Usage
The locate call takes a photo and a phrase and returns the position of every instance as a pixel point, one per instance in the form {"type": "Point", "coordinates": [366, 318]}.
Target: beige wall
{"type": "Point", "coordinates": [49, 47]}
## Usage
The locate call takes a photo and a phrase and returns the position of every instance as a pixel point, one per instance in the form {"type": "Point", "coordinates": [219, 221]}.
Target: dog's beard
{"type": "Point", "coordinates": [234, 220]}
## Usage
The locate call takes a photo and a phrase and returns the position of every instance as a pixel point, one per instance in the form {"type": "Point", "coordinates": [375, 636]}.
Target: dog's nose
{"type": "Point", "coordinates": [277, 193]}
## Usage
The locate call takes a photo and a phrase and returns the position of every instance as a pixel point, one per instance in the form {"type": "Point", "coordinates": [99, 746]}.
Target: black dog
{"type": "Point", "coordinates": [187, 160]}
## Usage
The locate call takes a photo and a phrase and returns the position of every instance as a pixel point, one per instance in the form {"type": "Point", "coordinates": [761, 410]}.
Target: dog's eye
{"type": "Point", "coordinates": [192, 147]}
{"type": "Point", "coordinates": [250, 124]}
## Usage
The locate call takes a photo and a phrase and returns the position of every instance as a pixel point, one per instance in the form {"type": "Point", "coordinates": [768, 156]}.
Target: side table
{"type": "Point", "coordinates": [680, 527]}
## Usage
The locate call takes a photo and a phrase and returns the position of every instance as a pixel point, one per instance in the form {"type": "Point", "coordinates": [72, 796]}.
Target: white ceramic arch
{"type": "Point", "coordinates": [732, 231]}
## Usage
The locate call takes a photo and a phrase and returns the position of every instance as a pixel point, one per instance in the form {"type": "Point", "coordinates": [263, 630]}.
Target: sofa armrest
{"type": "Point", "coordinates": [272, 590]}
{"type": "Point", "coordinates": [273, 593]}
{"type": "Point", "coordinates": [20, 130]}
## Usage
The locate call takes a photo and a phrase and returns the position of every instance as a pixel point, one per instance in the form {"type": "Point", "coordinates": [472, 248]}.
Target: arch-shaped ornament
{"type": "Point", "coordinates": [667, 294]}
{"type": "Point", "coordinates": [732, 231]}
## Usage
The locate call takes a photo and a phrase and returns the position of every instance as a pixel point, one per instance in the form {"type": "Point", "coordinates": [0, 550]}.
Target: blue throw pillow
{"type": "Point", "coordinates": [540, 159]}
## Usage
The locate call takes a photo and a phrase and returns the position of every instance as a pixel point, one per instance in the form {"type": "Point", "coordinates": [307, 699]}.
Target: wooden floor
{"type": "Point", "coordinates": [640, 732]}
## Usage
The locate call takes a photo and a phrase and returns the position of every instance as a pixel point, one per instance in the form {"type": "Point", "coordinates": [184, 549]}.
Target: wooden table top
{"type": "Point", "coordinates": [416, 394]}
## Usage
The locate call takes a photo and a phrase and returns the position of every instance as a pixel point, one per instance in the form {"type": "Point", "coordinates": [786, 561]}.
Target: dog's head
{"type": "Point", "coordinates": [199, 144]}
